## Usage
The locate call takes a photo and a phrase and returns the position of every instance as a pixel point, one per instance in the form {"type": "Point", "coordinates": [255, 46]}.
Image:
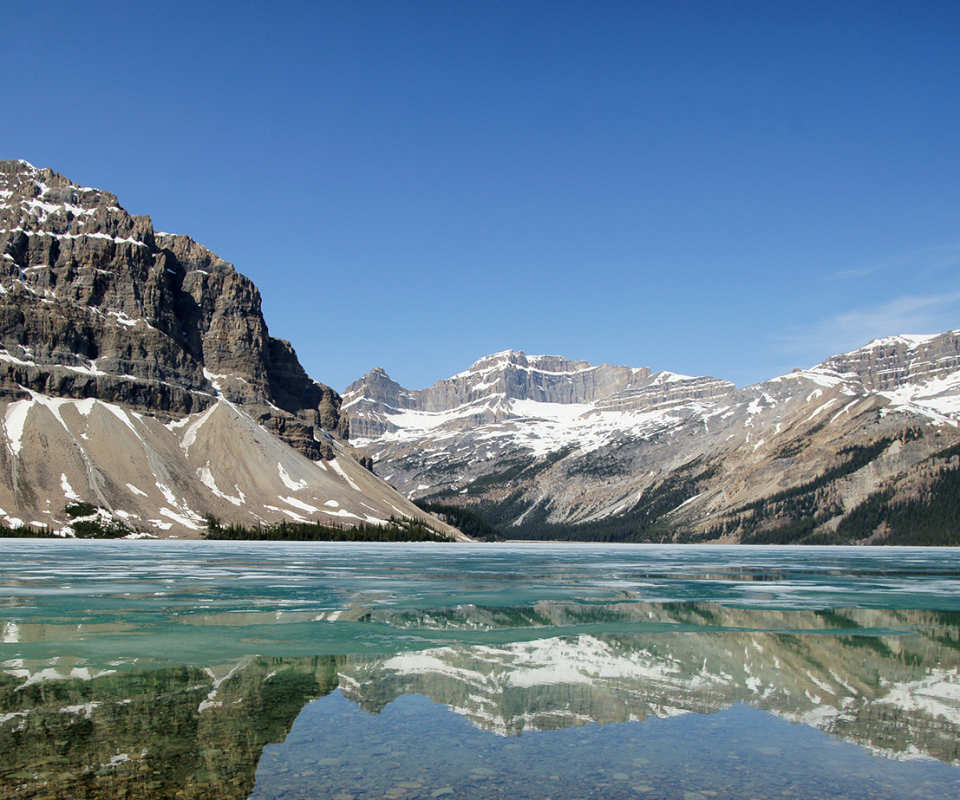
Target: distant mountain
{"type": "Point", "coordinates": [138, 377]}
{"type": "Point", "coordinates": [544, 447]}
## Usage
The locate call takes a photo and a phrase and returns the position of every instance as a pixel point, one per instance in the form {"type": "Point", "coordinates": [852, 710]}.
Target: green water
{"type": "Point", "coordinates": [149, 669]}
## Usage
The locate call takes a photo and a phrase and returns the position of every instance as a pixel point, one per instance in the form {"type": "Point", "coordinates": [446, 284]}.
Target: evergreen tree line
{"type": "Point", "coordinates": [859, 457]}
{"type": "Point", "coordinates": [26, 532]}
{"type": "Point", "coordinates": [464, 519]}
{"type": "Point", "coordinates": [793, 515]}
{"type": "Point", "coordinates": [97, 528]}
{"type": "Point", "coordinates": [396, 530]}
{"type": "Point", "coordinates": [931, 518]}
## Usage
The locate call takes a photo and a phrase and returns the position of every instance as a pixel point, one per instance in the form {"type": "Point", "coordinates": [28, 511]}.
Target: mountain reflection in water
{"type": "Point", "coordinates": [884, 680]}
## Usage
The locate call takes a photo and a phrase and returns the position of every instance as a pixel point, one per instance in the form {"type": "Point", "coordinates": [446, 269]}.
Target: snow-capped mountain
{"type": "Point", "coordinates": [137, 376]}
{"type": "Point", "coordinates": [541, 440]}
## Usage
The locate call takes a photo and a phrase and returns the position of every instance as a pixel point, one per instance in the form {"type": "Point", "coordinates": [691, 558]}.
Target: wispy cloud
{"type": "Point", "coordinates": [927, 260]}
{"type": "Point", "coordinates": [852, 329]}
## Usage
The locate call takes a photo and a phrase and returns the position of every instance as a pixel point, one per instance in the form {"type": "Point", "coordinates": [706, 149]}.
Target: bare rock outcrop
{"type": "Point", "coordinates": [141, 392]}
{"type": "Point", "coordinates": [887, 364]}
{"type": "Point", "coordinates": [95, 303]}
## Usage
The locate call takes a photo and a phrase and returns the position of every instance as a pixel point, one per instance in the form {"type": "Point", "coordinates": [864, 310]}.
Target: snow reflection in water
{"type": "Point", "coordinates": [527, 671]}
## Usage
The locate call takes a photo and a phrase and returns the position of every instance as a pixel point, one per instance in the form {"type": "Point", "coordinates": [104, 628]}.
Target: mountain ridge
{"type": "Point", "coordinates": [685, 453]}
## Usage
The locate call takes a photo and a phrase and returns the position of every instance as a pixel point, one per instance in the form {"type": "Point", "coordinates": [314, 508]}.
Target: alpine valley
{"type": "Point", "coordinates": [140, 390]}
{"type": "Point", "coordinates": [862, 448]}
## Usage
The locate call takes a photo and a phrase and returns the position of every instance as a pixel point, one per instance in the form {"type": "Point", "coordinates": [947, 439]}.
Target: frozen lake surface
{"type": "Point", "coordinates": [155, 669]}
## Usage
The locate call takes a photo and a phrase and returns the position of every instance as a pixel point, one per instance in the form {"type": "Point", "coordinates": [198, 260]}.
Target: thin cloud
{"type": "Point", "coordinates": [927, 260]}
{"type": "Point", "coordinates": [852, 329]}
{"type": "Point", "coordinates": [847, 274]}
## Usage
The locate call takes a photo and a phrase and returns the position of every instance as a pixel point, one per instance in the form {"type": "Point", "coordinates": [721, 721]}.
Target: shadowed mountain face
{"type": "Point", "coordinates": [138, 377]}
{"type": "Point", "coordinates": [546, 447]}
{"type": "Point", "coordinates": [193, 732]}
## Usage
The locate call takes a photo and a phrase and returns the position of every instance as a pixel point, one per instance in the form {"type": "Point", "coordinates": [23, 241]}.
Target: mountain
{"type": "Point", "coordinates": [139, 382]}
{"type": "Point", "coordinates": [545, 447]}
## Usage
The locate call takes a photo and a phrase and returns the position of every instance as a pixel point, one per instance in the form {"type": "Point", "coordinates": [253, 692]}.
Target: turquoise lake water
{"type": "Point", "coordinates": [265, 670]}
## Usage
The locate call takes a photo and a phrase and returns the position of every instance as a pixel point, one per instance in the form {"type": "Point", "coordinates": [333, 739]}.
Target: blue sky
{"type": "Point", "coordinates": [732, 189]}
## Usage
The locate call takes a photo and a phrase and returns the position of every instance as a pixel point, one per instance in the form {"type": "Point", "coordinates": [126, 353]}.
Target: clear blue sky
{"type": "Point", "coordinates": [732, 189]}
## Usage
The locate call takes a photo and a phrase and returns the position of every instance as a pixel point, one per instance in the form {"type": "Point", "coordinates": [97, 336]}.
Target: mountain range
{"type": "Point", "coordinates": [141, 391]}
{"type": "Point", "coordinates": [140, 388]}
{"type": "Point", "coordinates": [860, 448]}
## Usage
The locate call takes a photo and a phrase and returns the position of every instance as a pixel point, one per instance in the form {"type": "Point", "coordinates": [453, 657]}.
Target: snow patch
{"type": "Point", "coordinates": [937, 695]}
{"type": "Point", "coordinates": [14, 421]}
{"type": "Point", "coordinates": [288, 481]}
{"type": "Point", "coordinates": [124, 417]}
{"type": "Point", "coordinates": [67, 488]}
{"type": "Point", "coordinates": [11, 633]}
{"type": "Point", "coordinates": [292, 501]}
{"type": "Point", "coordinates": [180, 518]}
{"type": "Point", "coordinates": [339, 470]}
{"type": "Point", "coordinates": [190, 434]}
{"type": "Point", "coordinates": [207, 479]}
{"type": "Point", "coordinates": [84, 708]}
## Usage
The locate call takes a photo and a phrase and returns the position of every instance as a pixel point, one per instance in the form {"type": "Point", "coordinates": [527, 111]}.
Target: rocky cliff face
{"type": "Point", "coordinates": [137, 376]}
{"type": "Point", "coordinates": [889, 364]}
{"type": "Point", "coordinates": [545, 443]}
{"type": "Point", "coordinates": [95, 303]}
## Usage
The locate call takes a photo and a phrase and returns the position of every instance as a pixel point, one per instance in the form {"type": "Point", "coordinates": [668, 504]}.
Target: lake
{"type": "Point", "coordinates": [265, 670]}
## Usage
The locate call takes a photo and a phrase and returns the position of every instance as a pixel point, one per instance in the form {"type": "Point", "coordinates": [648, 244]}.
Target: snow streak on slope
{"type": "Point", "coordinates": [937, 398]}
{"type": "Point", "coordinates": [168, 478]}
{"type": "Point", "coordinates": [540, 428]}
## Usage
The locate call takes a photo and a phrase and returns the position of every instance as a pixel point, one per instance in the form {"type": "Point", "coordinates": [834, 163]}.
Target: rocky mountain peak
{"type": "Point", "coordinates": [489, 390]}
{"type": "Point", "coordinates": [376, 388]}
{"type": "Point", "coordinates": [546, 446]}
{"type": "Point", "coordinates": [517, 359]}
{"type": "Point", "coordinates": [95, 303]}
{"type": "Point", "coordinates": [890, 363]}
